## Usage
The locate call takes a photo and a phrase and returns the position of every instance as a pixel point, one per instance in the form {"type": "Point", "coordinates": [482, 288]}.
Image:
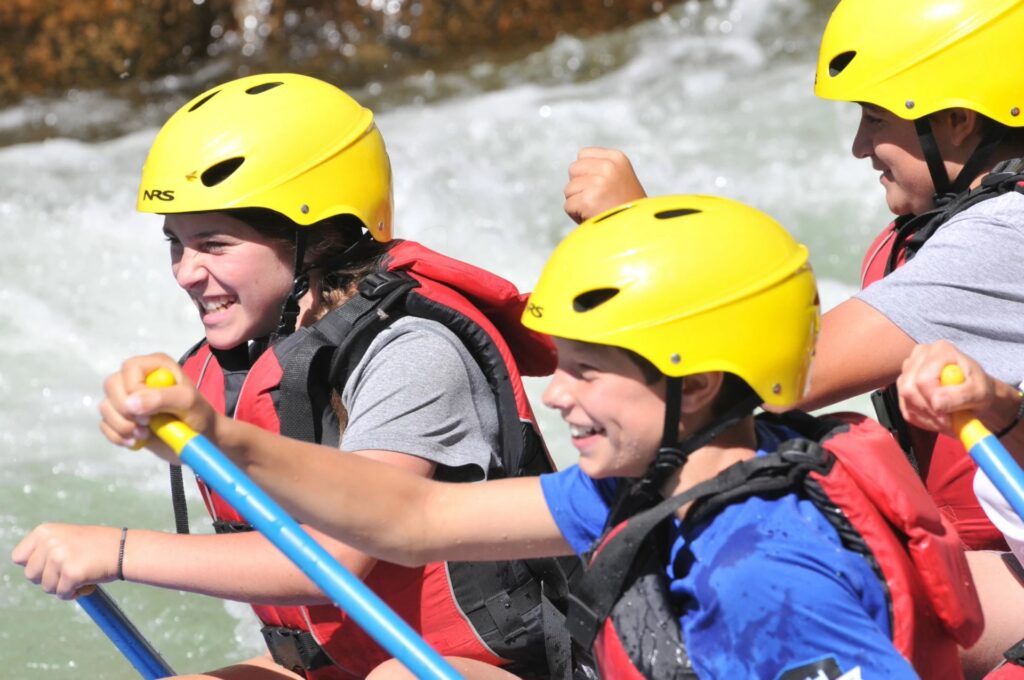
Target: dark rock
{"type": "Point", "coordinates": [47, 46]}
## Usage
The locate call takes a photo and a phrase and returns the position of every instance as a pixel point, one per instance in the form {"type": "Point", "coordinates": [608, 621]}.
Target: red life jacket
{"type": "Point", "coordinates": [942, 461]}
{"type": "Point", "coordinates": [485, 611]}
{"type": "Point", "coordinates": [852, 470]}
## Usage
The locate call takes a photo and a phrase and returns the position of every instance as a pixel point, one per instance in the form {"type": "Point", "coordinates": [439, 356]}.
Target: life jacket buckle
{"type": "Point", "coordinates": [294, 649]}
{"type": "Point", "coordinates": [377, 285]}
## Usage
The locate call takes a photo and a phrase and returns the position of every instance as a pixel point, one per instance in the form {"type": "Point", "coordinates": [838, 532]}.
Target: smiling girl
{"type": "Point", "coordinates": [276, 196]}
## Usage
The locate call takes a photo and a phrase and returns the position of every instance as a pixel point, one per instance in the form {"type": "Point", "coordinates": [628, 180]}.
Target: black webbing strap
{"type": "Point", "coordinates": [643, 493]}
{"type": "Point", "coordinates": [557, 642]}
{"type": "Point", "coordinates": [323, 350]}
{"type": "Point", "coordinates": [611, 563]}
{"type": "Point", "coordinates": [1015, 654]}
{"type": "Point", "coordinates": [936, 168]}
{"type": "Point", "coordinates": [178, 500]}
{"type": "Point", "coordinates": [946, 190]}
{"type": "Point", "coordinates": [993, 136]}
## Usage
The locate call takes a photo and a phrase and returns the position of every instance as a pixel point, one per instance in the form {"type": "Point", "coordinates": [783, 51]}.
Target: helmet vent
{"type": "Point", "coordinates": [217, 173]}
{"type": "Point", "coordinates": [612, 213]}
{"type": "Point", "coordinates": [840, 62]}
{"type": "Point", "coordinates": [585, 302]}
{"type": "Point", "coordinates": [678, 212]}
{"type": "Point", "coordinates": [202, 101]}
{"type": "Point", "coordinates": [256, 89]}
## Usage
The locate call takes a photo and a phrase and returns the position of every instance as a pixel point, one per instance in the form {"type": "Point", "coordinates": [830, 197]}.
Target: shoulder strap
{"type": "Point", "coordinates": [613, 559]}
{"type": "Point", "coordinates": [913, 232]}
{"type": "Point", "coordinates": [324, 350]}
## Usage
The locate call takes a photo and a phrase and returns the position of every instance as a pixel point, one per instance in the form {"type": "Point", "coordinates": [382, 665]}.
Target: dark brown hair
{"type": "Point", "coordinates": [326, 241]}
{"type": "Point", "coordinates": [733, 390]}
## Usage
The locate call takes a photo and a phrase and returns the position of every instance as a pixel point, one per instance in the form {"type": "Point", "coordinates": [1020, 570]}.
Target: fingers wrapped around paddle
{"type": "Point", "coordinates": [130, 404]}
{"type": "Point", "coordinates": [925, 402]}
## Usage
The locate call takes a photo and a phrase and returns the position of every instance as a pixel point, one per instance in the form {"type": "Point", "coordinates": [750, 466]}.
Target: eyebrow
{"type": "Point", "coordinates": [198, 234]}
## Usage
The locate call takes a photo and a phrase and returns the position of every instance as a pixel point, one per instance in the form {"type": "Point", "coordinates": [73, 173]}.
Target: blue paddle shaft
{"type": "Point", "coordinates": [125, 636]}
{"type": "Point", "coordinates": [344, 589]}
{"type": "Point", "coordinates": [1000, 467]}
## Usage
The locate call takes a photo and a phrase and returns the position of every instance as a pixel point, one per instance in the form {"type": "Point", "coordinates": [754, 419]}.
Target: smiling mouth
{"type": "Point", "coordinates": [578, 431]}
{"type": "Point", "coordinates": [211, 305]}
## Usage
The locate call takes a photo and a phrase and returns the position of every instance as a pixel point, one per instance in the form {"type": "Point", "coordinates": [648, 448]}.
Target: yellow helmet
{"type": "Point", "coordinates": [916, 57]}
{"type": "Point", "coordinates": [692, 284]}
{"type": "Point", "coordinates": [285, 142]}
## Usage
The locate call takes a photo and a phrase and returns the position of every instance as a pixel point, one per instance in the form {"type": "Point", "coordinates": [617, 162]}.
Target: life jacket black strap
{"type": "Point", "coordinates": [615, 555]}
{"type": "Point", "coordinates": [645, 492]}
{"type": "Point", "coordinates": [178, 500]}
{"type": "Point", "coordinates": [322, 350]}
{"type": "Point", "coordinates": [296, 650]}
{"type": "Point", "coordinates": [223, 526]}
{"type": "Point", "coordinates": [887, 412]}
{"type": "Point", "coordinates": [1015, 654]}
{"type": "Point", "coordinates": [912, 231]}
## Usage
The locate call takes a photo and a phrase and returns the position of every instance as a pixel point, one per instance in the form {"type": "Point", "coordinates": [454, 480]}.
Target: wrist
{"type": "Point", "coordinates": [1011, 410]}
{"type": "Point", "coordinates": [120, 554]}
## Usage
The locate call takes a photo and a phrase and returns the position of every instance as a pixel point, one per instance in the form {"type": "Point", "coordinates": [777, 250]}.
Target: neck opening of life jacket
{"type": "Point", "coordinates": [849, 467]}
{"type": "Point", "coordinates": [504, 613]}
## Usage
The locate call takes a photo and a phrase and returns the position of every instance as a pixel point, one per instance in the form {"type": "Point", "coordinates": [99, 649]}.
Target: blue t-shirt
{"type": "Point", "coordinates": [769, 588]}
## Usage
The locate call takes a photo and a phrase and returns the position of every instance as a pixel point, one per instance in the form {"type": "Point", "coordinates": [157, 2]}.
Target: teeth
{"type": "Point", "coordinates": [215, 305]}
{"type": "Point", "coordinates": [578, 431]}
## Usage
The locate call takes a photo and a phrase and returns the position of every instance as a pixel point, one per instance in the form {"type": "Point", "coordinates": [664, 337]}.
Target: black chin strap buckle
{"type": "Point", "coordinates": [290, 313]}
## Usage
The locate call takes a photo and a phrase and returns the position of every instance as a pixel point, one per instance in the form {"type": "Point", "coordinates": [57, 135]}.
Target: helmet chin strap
{"type": "Point", "coordinates": [300, 286]}
{"type": "Point", "coordinates": [946, 190]}
{"type": "Point", "coordinates": [358, 249]}
{"type": "Point", "coordinates": [674, 451]}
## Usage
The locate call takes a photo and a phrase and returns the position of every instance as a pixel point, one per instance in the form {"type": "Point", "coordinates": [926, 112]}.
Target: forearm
{"type": "Point", "coordinates": [362, 502]}
{"type": "Point", "coordinates": [244, 567]}
{"type": "Point", "coordinates": [858, 350]}
{"type": "Point", "coordinates": [390, 513]}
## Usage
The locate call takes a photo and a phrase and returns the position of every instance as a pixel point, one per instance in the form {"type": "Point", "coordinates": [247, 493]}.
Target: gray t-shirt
{"type": "Point", "coordinates": [417, 390]}
{"type": "Point", "coordinates": [966, 285]}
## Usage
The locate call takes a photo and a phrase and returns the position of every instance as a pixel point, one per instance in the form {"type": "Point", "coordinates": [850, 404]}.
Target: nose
{"type": "Point", "coordinates": [558, 394]}
{"type": "Point", "coordinates": [188, 268]}
{"type": "Point", "coordinates": [862, 146]}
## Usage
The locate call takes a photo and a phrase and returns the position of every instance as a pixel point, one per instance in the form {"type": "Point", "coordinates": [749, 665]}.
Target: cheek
{"type": "Point", "coordinates": [271, 276]}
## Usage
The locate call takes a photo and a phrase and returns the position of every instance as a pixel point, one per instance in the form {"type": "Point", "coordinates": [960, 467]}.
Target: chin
{"type": "Point", "coordinates": [223, 341]}
{"type": "Point", "coordinates": [897, 206]}
{"type": "Point", "coordinates": [592, 469]}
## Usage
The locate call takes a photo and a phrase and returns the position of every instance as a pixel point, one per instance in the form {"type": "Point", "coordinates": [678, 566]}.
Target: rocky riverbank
{"type": "Point", "coordinates": [50, 46]}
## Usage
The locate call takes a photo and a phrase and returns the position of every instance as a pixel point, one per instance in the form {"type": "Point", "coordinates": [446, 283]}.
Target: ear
{"type": "Point", "coordinates": [700, 390]}
{"type": "Point", "coordinates": [962, 124]}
